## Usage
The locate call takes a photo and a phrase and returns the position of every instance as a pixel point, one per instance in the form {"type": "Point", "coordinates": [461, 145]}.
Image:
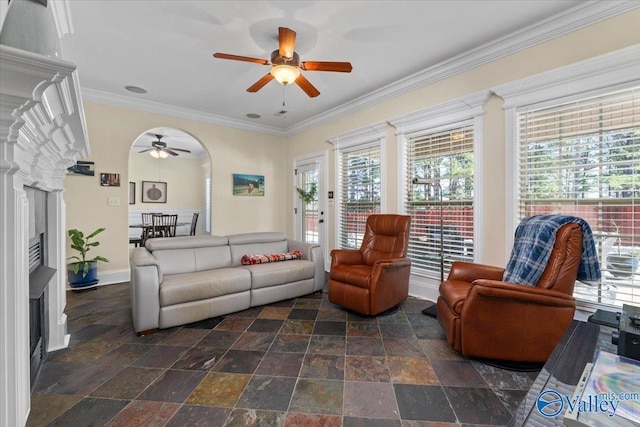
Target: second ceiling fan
{"type": "Point", "coordinates": [159, 148]}
{"type": "Point", "coordinates": [286, 65]}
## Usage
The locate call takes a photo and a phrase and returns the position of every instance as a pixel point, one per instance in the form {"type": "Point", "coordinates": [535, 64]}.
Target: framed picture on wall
{"type": "Point", "coordinates": [154, 192]}
{"type": "Point", "coordinates": [248, 185]}
{"type": "Point", "coordinates": [110, 179]}
{"type": "Point", "coordinates": [132, 193]}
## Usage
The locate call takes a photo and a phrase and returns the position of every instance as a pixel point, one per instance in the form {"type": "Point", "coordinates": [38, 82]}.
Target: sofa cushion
{"type": "Point", "coordinates": [185, 242]}
{"type": "Point", "coordinates": [178, 261]}
{"type": "Point", "coordinates": [189, 254]}
{"type": "Point", "coordinates": [249, 259]}
{"type": "Point", "coordinates": [278, 273]}
{"type": "Point", "coordinates": [180, 288]}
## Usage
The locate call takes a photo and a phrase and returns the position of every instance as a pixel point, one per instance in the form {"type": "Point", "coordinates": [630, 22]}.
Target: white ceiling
{"type": "Point", "coordinates": [166, 47]}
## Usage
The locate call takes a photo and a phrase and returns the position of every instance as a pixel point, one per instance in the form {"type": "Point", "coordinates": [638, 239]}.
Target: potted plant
{"type": "Point", "coordinates": [83, 271]}
{"type": "Point", "coordinates": [308, 196]}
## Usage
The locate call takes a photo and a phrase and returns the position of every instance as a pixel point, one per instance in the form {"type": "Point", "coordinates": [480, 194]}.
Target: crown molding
{"type": "Point", "coordinates": [360, 136]}
{"type": "Point", "coordinates": [581, 16]}
{"type": "Point", "coordinates": [170, 110]}
{"type": "Point", "coordinates": [602, 73]}
{"type": "Point", "coordinates": [453, 111]}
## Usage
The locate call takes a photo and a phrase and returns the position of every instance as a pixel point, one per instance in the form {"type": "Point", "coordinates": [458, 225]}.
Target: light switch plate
{"type": "Point", "coordinates": [114, 201]}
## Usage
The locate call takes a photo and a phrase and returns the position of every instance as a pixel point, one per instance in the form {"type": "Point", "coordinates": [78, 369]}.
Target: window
{"type": "Point", "coordinates": [360, 189]}
{"type": "Point", "coordinates": [582, 158]}
{"type": "Point", "coordinates": [442, 144]}
{"type": "Point", "coordinates": [446, 158]}
{"type": "Point", "coordinates": [359, 176]}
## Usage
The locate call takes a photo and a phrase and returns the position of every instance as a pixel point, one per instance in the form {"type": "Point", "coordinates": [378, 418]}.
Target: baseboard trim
{"type": "Point", "coordinates": [424, 288]}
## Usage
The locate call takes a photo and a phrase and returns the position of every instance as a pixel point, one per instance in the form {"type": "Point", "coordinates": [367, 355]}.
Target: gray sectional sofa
{"type": "Point", "coordinates": [179, 280]}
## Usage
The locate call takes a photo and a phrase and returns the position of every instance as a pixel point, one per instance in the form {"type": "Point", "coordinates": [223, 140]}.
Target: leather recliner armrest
{"type": "Point", "coordinates": [346, 256]}
{"type": "Point", "coordinates": [517, 294]}
{"type": "Point", "coordinates": [469, 271]}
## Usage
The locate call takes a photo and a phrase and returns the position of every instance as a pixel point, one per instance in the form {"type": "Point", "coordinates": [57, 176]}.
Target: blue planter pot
{"type": "Point", "coordinates": [76, 280]}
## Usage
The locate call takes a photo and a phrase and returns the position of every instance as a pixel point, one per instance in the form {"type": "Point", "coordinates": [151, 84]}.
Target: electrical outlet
{"type": "Point", "coordinates": [114, 201]}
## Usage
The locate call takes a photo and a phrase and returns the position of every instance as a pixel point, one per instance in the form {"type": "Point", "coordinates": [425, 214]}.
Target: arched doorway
{"type": "Point", "coordinates": [169, 172]}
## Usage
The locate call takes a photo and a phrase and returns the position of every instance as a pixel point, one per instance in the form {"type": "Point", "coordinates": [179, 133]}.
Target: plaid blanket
{"type": "Point", "coordinates": [261, 259]}
{"type": "Point", "coordinates": [534, 241]}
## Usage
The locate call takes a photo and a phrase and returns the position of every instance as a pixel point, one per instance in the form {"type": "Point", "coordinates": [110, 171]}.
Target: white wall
{"type": "Point", "coordinates": [112, 130]}
{"type": "Point", "coordinates": [185, 180]}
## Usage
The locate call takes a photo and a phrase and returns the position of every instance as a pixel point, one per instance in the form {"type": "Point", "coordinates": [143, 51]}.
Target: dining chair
{"type": "Point", "coordinates": [194, 222]}
{"type": "Point", "coordinates": [164, 226]}
{"type": "Point", "coordinates": [147, 225]}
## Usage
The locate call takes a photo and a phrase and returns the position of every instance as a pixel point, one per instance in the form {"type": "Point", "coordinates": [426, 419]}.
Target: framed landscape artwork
{"type": "Point", "coordinates": [248, 185]}
{"type": "Point", "coordinates": [154, 192]}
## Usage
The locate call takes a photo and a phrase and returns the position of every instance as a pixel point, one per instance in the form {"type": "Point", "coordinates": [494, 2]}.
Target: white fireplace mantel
{"type": "Point", "coordinates": [42, 133]}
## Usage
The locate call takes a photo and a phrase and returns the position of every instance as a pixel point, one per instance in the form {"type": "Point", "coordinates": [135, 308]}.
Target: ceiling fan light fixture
{"type": "Point", "coordinates": [285, 74]}
{"type": "Point", "coordinates": [158, 154]}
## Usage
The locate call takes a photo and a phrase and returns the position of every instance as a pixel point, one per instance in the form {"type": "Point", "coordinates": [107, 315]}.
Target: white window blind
{"type": "Point", "coordinates": [360, 188]}
{"type": "Point", "coordinates": [207, 204]}
{"type": "Point", "coordinates": [446, 157]}
{"type": "Point", "coordinates": [583, 158]}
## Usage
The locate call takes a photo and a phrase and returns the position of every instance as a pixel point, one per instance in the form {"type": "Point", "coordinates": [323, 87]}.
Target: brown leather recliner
{"type": "Point", "coordinates": [482, 316]}
{"type": "Point", "coordinates": [374, 278]}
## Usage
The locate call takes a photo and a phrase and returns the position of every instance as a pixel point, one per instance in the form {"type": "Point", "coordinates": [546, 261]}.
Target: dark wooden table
{"type": "Point", "coordinates": [562, 371]}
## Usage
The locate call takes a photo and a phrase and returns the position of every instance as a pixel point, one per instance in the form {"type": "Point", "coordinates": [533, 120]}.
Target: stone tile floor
{"type": "Point", "coordinates": [301, 362]}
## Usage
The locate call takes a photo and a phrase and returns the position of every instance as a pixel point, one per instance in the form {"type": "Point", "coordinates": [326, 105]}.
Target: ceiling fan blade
{"type": "Point", "coordinates": [340, 67]}
{"type": "Point", "coordinates": [287, 39]}
{"type": "Point", "coordinates": [240, 58]}
{"type": "Point", "coordinates": [179, 149]}
{"type": "Point", "coordinates": [144, 151]}
{"type": "Point", "coordinates": [307, 87]}
{"type": "Point", "coordinates": [260, 83]}
{"type": "Point", "coordinates": [173, 153]}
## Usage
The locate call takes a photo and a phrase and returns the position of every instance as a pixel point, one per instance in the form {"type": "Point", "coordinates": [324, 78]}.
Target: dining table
{"type": "Point", "coordinates": [147, 228]}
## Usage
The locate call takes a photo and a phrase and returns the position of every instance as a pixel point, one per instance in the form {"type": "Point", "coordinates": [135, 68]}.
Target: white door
{"type": "Point", "coordinates": [310, 200]}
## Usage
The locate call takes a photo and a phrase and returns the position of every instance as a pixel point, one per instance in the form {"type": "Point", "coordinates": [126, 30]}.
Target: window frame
{"type": "Point", "coordinates": [374, 135]}
{"type": "Point", "coordinates": [593, 77]}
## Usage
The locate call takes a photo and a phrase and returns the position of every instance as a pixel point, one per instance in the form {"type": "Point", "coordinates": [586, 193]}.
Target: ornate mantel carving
{"type": "Point", "coordinates": [42, 128]}
{"type": "Point", "coordinates": [42, 132]}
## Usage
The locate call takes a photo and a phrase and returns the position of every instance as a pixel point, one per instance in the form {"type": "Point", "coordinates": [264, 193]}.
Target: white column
{"type": "Point", "coordinates": [14, 301]}
{"type": "Point", "coordinates": [56, 241]}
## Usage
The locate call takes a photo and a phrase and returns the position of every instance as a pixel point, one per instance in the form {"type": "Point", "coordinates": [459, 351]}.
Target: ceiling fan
{"type": "Point", "coordinates": [286, 65]}
{"type": "Point", "coordinates": [159, 149]}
